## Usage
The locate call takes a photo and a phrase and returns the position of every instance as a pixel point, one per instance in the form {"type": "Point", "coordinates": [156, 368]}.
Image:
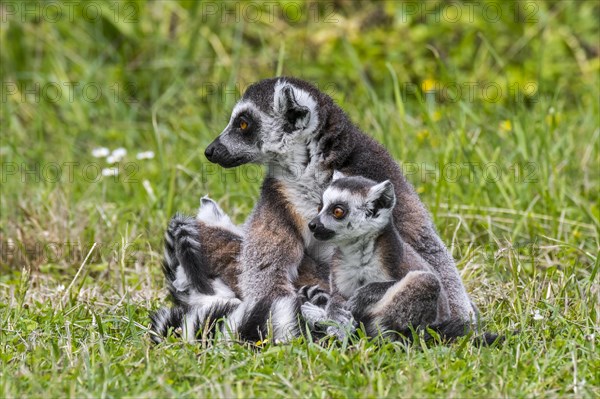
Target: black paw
{"type": "Point", "coordinates": [314, 294]}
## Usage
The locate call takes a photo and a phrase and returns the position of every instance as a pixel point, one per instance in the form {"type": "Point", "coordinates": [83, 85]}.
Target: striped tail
{"type": "Point", "coordinates": [278, 319]}
{"type": "Point", "coordinates": [190, 323]}
{"type": "Point", "coordinates": [186, 274]}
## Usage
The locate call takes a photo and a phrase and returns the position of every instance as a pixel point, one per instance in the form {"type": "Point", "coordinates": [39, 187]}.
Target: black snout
{"type": "Point", "coordinates": [208, 153]}
{"type": "Point", "coordinates": [214, 151]}
{"type": "Point", "coordinates": [217, 153]}
{"type": "Point", "coordinates": [319, 230]}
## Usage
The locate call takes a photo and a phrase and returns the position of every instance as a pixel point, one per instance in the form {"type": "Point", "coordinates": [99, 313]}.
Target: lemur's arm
{"type": "Point", "coordinates": [272, 253]}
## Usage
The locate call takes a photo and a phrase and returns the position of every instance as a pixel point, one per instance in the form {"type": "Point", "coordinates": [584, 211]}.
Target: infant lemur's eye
{"type": "Point", "coordinates": [243, 124]}
{"type": "Point", "coordinates": [338, 212]}
{"type": "Point", "coordinates": [319, 208]}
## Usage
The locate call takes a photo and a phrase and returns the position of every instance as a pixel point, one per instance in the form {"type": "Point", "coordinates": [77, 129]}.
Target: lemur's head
{"type": "Point", "coordinates": [353, 207]}
{"type": "Point", "coordinates": [272, 116]}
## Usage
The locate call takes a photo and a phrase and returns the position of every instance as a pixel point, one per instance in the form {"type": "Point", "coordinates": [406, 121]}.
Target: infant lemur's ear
{"type": "Point", "coordinates": [382, 196]}
{"type": "Point", "coordinates": [295, 107]}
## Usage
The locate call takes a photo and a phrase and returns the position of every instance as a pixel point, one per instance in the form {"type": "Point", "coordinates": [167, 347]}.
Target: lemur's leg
{"type": "Point", "coordinates": [431, 248]}
{"type": "Point", "coordinates": [267, 289]}
{"type": "Point", "coordinates": [412, 261]}
{"type": "Point", "coordinates": [412, 301]}
{"type": "Point", "coordinates": [272, 253]}
{"type": "Point", "coordinates": [363, 300]}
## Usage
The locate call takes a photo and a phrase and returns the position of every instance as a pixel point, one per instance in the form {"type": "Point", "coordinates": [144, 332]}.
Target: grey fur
{"type": "Point", "coordinates": [302, 136]}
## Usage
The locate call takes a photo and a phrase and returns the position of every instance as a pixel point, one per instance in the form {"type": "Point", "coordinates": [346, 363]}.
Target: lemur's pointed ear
{"type": "Point", "coordinates": [382, 196]}
{"type": "Point", "coordinates": [337, 175]}
{"type": "Point", "coordinates": [292, 105]}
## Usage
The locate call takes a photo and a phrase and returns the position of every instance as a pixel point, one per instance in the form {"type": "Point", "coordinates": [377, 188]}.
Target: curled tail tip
{"type": "Point", "coordinates": [454, 329]}
{"type": "Point", "coordinates": [489, 339]}
{"type": "Point", "coordinates": [162, 320]}
{"type": "Point", "coordinates": [187, 322]}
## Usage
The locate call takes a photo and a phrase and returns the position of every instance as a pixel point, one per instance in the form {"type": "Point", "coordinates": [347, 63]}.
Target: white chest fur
{"type": "Point", "coordinates": [357, 266]}
{"type": "Point", "coordinates": [303, 187]}
{"type": "Point", "coordinates": [304, 192]}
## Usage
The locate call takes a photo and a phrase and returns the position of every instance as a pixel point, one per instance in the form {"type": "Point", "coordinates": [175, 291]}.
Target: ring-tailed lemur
{"type": "Point", "coordinates": [302, 136]}
{"type": "Point", "coordinates": [202, 277]}
{"type": "Point", "coordinates": [381, 281]}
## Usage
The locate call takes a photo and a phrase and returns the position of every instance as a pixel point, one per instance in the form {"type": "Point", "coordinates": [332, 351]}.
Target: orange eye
{"type": "Point", "coordinates": [339, 212]}
{"type": "Point", "coordinates": [243, 125]}
{"type": "Point", "coordinates": [319, 208]}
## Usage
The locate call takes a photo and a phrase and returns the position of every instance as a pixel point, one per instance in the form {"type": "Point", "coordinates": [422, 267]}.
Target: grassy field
{"type": "Point", "coordinates": [490, 107]}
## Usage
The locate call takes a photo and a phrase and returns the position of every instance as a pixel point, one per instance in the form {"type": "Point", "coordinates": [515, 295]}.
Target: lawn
{"type": "Point", "coordinates": [490, 107]}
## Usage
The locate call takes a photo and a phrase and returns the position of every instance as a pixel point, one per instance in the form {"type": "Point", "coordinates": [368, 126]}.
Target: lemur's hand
{"type": "Point", "coordinates": [340, 320]}
{"type": "Point", "coordinates": [313, 315]}
{"type": "Point", "coordinates": [323, 312]}
{"type": "Point", "coordinates": [315, 295]}
{"type": "Point", "coordinates": [337, 321]}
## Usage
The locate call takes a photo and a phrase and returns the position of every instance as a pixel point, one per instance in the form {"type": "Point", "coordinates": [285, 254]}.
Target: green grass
{"type": "Point", "coordinates": [512, 182]}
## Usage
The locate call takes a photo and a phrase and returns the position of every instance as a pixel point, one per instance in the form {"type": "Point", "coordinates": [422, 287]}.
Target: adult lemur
{"type": "Point", "coordinates": [301, 136]}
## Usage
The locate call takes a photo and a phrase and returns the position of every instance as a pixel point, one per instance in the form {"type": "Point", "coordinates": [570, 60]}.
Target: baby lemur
{"type": "Point", "coordinates": [374, 275]}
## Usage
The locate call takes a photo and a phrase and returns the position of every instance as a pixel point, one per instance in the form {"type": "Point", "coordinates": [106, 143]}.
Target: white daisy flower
{"type": "Point", "coordinates": [110, 172]}
{"type": "Point", "coordinates": [119, 153]}
{"type": "Point", "coordinates": [145, 155]}
{"type": "Point", "coordinates": [100, 152]}
{"type": "Point", "coordinates": [537, 315]}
